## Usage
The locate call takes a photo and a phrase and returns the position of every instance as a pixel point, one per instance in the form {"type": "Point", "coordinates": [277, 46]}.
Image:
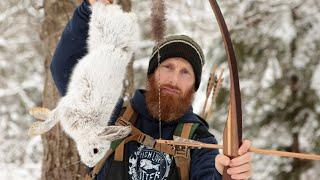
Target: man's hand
{"type": "Point", "coordinates": [240, 167]}
{"type": "Point", "coordinates": [105, 1]}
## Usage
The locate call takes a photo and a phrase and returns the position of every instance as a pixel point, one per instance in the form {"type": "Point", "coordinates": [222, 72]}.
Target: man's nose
{"type": "Point", "coordinates": [173, 79]}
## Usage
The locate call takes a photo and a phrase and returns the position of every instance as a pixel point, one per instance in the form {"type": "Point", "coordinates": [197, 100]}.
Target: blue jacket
{"type": "Point", "coordinates": [71, 47]}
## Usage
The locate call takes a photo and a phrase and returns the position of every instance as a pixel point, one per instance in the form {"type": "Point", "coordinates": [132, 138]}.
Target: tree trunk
{"type": "Point", "coordinates": [128, 83]}
{"type": "Point", "coordinates": [60, 158]}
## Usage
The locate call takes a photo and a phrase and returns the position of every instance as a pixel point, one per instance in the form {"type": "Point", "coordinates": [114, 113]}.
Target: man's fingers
{"type": "Point", "coordinates": [241, 160]}
{"type": "Point", "coordinates": [245, 175]}
{"type": "Point", "coordinates": [244, 147]}
{"type": "Point", "coordinates": [108, 1]}
{"type": "Point", "coordinates": [223, 160]}
{"type": "Point", "coordinates": [104, 1]}
{"type": "Point", "coordinates": [240, 169]}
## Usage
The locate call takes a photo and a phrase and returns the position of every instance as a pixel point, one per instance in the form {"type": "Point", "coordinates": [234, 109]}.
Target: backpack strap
{"type": "Point", "coordinates": [180, 153]}
{"type": "Point", "coordinates": [182, 158]}
{"type": "Point", "coordinates": [127, 118]}
{"type": "Point", "coordinates": [136, 135]}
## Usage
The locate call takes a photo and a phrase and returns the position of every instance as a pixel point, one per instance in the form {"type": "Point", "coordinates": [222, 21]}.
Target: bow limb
{"type": "Point", "coordinates": [232, 135]}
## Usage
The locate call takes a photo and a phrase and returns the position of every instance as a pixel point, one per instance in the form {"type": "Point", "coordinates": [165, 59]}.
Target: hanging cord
{"type": "Point", "coordinates": [158, 31]}
{"type": "Point", "coordinates": [159, 96]}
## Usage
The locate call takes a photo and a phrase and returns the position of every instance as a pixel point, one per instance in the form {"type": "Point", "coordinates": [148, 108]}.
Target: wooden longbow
{"type": "Point", "coordinates": [232, 135]}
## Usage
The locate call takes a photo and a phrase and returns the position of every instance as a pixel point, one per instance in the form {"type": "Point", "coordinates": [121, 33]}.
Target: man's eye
{"type": "Point", "coordinates": [167, 66]}
{"type": "Point", "coordinates": [185, 71]}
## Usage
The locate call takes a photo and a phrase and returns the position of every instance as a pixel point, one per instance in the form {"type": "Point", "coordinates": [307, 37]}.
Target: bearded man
{"type": "Point", "coordinates": [175, 76]}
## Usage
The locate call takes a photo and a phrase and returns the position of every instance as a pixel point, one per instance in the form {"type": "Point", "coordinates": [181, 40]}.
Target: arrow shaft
{"type": "Point", "coordinates": [285, 154]}
{"type": "Point", "coordinates": [252, 149]}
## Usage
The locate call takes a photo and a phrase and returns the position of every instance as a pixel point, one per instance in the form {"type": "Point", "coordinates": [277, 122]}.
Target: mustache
{"type": "Point", "coordinates": [171, 87]}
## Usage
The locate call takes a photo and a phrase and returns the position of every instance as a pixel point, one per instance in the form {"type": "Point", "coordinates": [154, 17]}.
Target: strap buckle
{"type": "Point", "coordinates": [181, 151]}
{"type": "Point", "coordinates": [122, 121]}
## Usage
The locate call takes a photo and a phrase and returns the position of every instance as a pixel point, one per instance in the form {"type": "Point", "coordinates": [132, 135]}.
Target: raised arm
{"type": "Point", "coordinates": [71, 47]}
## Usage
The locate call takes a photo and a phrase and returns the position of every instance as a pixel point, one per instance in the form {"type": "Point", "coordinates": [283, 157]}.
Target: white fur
{"type": "Point", "coordinates": [96, 84]}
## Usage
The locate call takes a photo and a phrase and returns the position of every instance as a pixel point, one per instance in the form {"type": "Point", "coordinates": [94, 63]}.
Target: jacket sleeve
{"type": "Point", "coordinates": [202, 165]}
{"type": "Point", "coordinates": [71, 47]}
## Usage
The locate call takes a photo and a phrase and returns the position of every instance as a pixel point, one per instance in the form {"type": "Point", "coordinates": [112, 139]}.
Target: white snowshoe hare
{"type": "Point", "coordinates": [96, 84]}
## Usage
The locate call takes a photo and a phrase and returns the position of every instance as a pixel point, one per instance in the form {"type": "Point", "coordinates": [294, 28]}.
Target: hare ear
{"type": "Point", "coordinates": [112, 133]}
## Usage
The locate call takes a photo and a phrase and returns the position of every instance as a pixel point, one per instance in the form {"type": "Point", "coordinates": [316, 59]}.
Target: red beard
{"type": "Point", "coordinates": [173, 106]}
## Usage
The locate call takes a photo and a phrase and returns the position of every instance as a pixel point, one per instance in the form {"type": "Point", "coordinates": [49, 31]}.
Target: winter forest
{"type": "Point", "coordinates": [277, 44]}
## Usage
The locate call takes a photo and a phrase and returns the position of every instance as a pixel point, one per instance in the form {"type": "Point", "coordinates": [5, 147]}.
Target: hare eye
{"type": "Point", "coordinates": [126, 48]}
{"type": "Point", "coordinates": [95, 150]}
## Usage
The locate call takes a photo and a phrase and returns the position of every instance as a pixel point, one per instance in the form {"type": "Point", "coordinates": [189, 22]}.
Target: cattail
{"type": "Point", "coordinates": [158, 29]}
{"type": "Point", "coordinates": [158, 20]}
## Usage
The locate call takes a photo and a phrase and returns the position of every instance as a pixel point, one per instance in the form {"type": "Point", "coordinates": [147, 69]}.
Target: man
{"type": "Point", "coordinates": [178, 76]}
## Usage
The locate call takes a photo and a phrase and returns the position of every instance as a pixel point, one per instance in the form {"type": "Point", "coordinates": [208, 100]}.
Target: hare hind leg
{"type": "Point", "coordinates": [40, 113]}
{"type": "Point", "coordinates": [39, 127]}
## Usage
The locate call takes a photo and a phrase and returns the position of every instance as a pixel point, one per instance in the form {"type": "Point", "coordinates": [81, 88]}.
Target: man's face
{"type": "Point", "coordinates": [176, 78]}
{"type": "Point", "coordinates": [175, 75]}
